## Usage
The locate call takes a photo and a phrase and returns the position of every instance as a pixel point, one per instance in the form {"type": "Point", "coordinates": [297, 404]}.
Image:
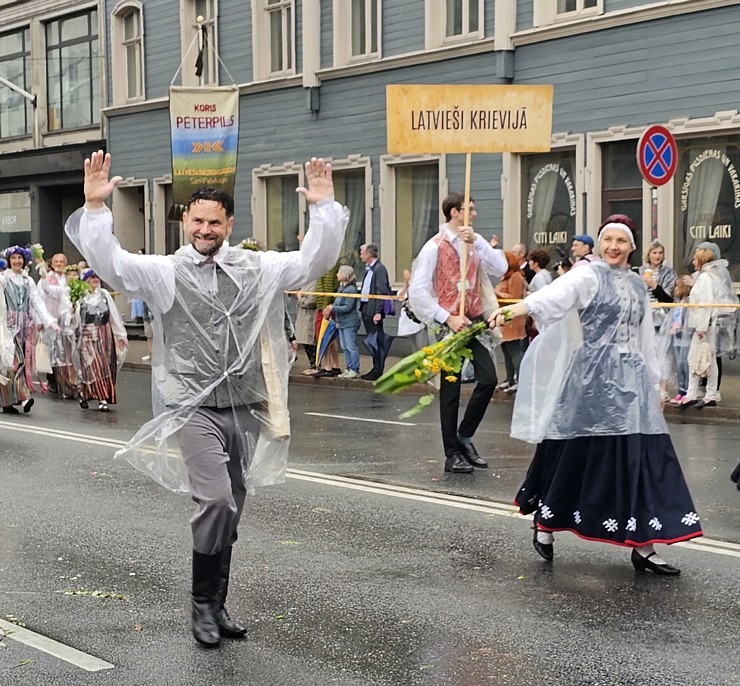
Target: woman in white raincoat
{"type": "Point", "coordinates": [604, 468]}
{"type": "Point", "coordinates": [102, 345]}
{"type": "Point", "coordinates": [25, 307]}
{"type": "Point", "coordinates": [713, 327]}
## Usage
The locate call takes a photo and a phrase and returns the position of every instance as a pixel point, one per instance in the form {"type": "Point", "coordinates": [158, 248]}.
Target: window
{"type": "Point", "coordinates": [15, 219]}
{"type": "Point", "coordinates": [549, 202]}
{"type": "Point", "coordinates": [411, 190]}
{"type": "Point", "coordinates": [707, 200]}
{"type": "Point", "coordinates": [566, 6]}
{"type": "Point", "coordinates": [282, 216]}
{"type": "Point", "coordinates": [273, 33]}
{"type": "Point", "coordinates": [351, 188]}
{"type": "Point", "coordinates": [15, 112]}
{"type": "Point", "coordinates": [73, 72]}
{"type": "Point", "coordinates": [190, 11]}
{"type": "Point", "coordinates": [279, 212]}
{"type": "Point", "coordinates": [360, 20]}
{"type": "Point", "coordinates": [127, 29]}
{"type": "Point", "coordinates": [622, 191]}
{"type": "Point", "coordinates": [459, 20]}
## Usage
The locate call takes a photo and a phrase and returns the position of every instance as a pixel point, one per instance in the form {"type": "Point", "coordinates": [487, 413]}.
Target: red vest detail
{"type": "Point", "coordinates": [447, 279]}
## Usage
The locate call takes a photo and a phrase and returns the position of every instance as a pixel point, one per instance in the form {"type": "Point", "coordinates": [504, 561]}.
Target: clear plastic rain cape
{"type": "Point", "coordinates": [219, 338]}
{"type": "Point", "coordinates": [592, 371]}
{"type": "Point", "coordinates": [713, 285]}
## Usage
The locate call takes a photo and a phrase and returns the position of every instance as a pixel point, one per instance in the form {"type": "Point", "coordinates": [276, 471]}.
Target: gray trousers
{"type": "Point", "coordinates": [212, 443]}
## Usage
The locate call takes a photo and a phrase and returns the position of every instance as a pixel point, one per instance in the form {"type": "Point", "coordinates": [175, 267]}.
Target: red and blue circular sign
{"type": "Point", "coordinates": [657, 155]}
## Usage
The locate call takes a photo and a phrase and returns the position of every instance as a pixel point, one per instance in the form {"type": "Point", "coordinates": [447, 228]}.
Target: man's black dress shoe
{"type": "Point", "coordinates": [471, 454]}
{"type": "Point", "coordinates": [457, 464]}
{"type": "Point", "coordinates": [371, 376]}
{"type": "Point", "coordinates": [641, 563]}
{"type": "Point", "coordinates": [543, 549]}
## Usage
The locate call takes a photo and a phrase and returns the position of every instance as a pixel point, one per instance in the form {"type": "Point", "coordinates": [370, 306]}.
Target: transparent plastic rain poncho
{"type": "Point", "coordinates": [6, 342]}
{"type": "Point", "coordinates": [592, 371]}
{"type": "Point", "coordinates": [713, 285]}
{"type": "Point", "coordinates": [219, 338]}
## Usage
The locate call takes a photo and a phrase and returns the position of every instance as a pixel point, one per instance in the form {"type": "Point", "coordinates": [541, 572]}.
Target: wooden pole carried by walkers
{"type": "Point", "coordinates": [449, 119]}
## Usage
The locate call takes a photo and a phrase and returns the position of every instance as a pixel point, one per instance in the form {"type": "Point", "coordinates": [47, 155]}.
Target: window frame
{"type": "Point", "coordinates": [342, 16]}
{"type": "Point", "coordinates": [261, 41]}
{"type": "Point", "coordinates": [119, 61]}
{"type": "Point", "coordinates": [96, 100]}
{"type": "Point", "coordinates": [435, 28]}
{"type": "Point", "coordinates": [188, 29]}
{"type": "Point", "coordinates": [545, 12]}
{"type": "Point", "coordinates": [387, 201]}
{"type": "Point", "coordinates": [511, 185]}
{"type": "Point", "coordinates": [259, 196]}
{"type": "Point", "coordinates": [25, 55]}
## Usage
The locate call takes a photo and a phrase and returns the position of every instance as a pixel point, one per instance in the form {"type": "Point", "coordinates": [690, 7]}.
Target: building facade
{"type": "Point", "coordinates": [312, 77]}
{"type": "Point", "coordinates": [52, 91]}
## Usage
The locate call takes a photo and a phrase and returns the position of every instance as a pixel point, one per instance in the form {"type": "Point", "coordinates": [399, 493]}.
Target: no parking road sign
{"type": "Point", "coordinates": [657, 155]}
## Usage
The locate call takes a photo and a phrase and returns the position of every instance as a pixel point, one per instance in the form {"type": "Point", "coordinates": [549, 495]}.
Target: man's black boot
{"type": "Point", "coordinates": [206, 580]}
{"type": "Point", "coordinates": [227, 627]}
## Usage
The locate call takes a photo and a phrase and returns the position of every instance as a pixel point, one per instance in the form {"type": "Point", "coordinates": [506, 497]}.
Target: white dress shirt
{"type": "Point", "coordinates": [152, 277]}
{"type": "Point", "coordinates": [422, 298]}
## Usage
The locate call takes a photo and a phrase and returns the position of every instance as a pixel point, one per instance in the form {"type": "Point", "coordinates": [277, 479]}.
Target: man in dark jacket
{"type": "Point", "coordinates": [372, 310]}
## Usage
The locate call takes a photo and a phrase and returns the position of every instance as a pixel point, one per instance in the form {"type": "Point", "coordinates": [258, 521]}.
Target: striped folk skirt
{"type": "Point", "coordinates": [98, 364]}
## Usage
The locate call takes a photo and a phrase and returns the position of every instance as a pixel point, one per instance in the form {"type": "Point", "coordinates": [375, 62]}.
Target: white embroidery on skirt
{"type": "Point", "coordinates": [631, 524]}
{"type": "Point", "coordinates": [690, 518]}
{"type": "Point", "coordinates": [611, 525]}
{"type": "Point", "coordinates": [655, 523]}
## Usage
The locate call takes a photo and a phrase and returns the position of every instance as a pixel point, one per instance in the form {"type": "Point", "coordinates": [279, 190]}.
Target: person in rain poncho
{"type": "Point", "coordinates": [102, 344]}
{"type": "Point", "coordinates": [713, 327]}
{"type": "Point", "coordinates": [434, 297]}
{"type": "Point", "coordinates": [63, 354]}
{"type": "Point", "coordinates": [219, 363]}
{"type": "Point", "coordinates": [604, 467]}
{"type": "Point", "coordinates": [25, 307]}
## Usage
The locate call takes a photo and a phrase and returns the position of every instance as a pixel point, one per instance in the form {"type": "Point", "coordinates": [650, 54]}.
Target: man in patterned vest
{"type": "Point", "coordinates": [434, 297]}
{"type": "Point", "coordinates": [220, 361]}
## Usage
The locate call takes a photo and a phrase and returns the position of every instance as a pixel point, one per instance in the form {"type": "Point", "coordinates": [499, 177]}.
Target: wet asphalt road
{"type": "Point", "coordinates": [342, 585]}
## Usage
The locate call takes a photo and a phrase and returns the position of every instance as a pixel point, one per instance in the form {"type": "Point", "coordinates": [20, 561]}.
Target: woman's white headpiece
{"type": "Point", "coordinates": [619, 227]}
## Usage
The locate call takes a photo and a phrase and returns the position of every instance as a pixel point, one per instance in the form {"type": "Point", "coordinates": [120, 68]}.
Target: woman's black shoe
{"type": "Point", "coordinates": [545, 550]}
{"type": "Point", "coordinates": [9, 409]}
{"type": "Point", "coordinates": [83, 404]}
{"type": "Point", "coordinates": [641, 563]}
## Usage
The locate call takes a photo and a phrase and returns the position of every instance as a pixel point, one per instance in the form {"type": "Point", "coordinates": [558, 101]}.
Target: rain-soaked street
{"type": "Point", "coordinates": [369, 566]}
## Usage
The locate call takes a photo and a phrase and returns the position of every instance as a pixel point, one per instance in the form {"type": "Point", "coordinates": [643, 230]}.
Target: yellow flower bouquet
{"type": "Point", "coordinates": [445, 357]}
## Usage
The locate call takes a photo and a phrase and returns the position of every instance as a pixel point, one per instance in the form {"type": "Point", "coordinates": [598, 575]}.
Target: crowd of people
{"type": "Point", "coordinates": [581, 355]}
{"type": "Point", "coordinates": [60, 334]}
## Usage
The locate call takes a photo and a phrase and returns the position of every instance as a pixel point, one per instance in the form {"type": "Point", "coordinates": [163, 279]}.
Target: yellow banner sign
{"type": "Point", "coordinates": [462, 119]}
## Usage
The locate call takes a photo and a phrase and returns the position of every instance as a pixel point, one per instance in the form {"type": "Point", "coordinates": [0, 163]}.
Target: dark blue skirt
{"type": "Point", "coordinates": [626, 490]}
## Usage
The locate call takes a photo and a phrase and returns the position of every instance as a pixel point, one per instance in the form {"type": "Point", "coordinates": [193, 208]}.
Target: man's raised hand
{"type": "Point", "coordinates": [97, 185]}
{"type": "Point", "coordinates": [319, 181]}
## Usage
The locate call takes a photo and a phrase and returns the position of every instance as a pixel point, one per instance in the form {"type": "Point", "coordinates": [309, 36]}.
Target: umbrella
{"type": "Point", "coordinates": [378, 344]}
{"type": "Point", "coordinates": [327, 333]}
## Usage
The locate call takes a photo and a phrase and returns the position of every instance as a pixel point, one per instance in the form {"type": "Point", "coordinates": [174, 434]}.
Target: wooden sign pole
{"type": "Point", "coordinates": [466, 246]}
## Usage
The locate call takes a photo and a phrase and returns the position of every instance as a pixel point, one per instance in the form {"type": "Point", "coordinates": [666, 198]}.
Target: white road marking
{"type": "Point", "coordinates": [704, 544]}
{"type": "Point", "coordinates": [47, 645]}
{"type": "Point", "coordinates": [358, 419]}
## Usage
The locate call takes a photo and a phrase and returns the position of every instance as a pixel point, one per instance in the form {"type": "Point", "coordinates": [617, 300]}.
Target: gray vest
{"type": "Point", "coordinates": [211, 336]}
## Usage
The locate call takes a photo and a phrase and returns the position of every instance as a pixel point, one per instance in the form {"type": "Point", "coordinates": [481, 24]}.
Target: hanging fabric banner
{"type": "Point", "coordinates": [204, 125]}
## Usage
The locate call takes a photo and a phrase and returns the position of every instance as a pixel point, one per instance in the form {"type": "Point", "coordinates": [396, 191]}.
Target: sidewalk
{"type": "Point", "coordinates": [728, 411]}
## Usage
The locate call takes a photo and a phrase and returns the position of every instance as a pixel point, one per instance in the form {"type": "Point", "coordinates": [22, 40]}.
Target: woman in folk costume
{"type": "Point", "coordinates": [102, 344]}
{"type": "Point", "coordinates": [25, 306]}
{"type": "Point", "coordinates": [604, 467]}
{"type": "Point", "coordinates": [62, 353]}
